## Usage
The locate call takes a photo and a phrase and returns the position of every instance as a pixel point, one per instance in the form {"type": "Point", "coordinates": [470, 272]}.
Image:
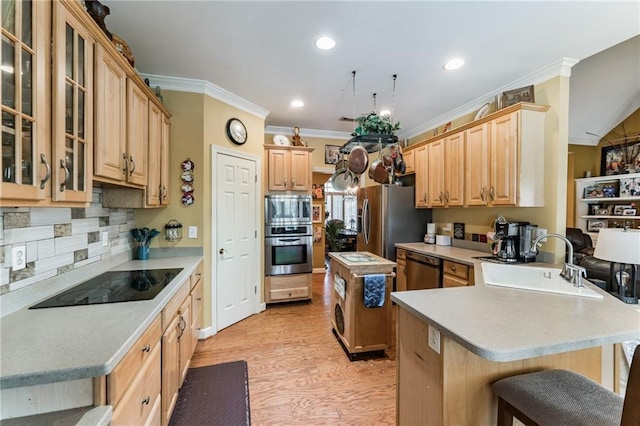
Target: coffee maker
{"type": "Point", "coordinates": [514, 241]}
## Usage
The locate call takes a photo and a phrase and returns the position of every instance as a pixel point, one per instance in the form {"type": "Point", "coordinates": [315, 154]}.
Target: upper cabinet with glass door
{"type": "Point", "coordinates": [72, 100]}
{"type": "Point", "coordinates": [26, 148]}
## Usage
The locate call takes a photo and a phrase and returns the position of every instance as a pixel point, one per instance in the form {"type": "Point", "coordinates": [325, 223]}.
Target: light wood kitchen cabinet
{"type": "Point", "coordinates": [72, 105]}
{"type": "Point", "coordinates": [137, 134]}
{"type": "Point", "coordinates": [289, 168]}
{"type": "Point", "coordinates": [449, 385]}
{"type": "Point", "coordinates": [401, 270]}
{"type": "Point", "coordinates": [435, 174]}
{"type": "Point", "coordinates": [182, 317]}
{"type": "Point", "coordinates": [111, 117]}
{"type": "Point", "coordinates": [287, 288]}
{"type": "Point", "coordinates": [421, 160]}
{"type": "Point", "coordinates": [158, 176]}
{"type": "Point", "coordinates": [133, 388]}
{"type": "Point", "coordinates": [170, 368]}
{"type": "Point", "coordinates": [505, 159]}
{"type": "Point", "coordinates": [456, 274]}
{"type": "Point", "coordinates": [446, 171]}
{"type": "Point", "coordinates": [26, 146]}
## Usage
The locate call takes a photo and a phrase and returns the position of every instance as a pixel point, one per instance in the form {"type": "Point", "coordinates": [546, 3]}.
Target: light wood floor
{"type": "Point", "coordinates": [298, 372]}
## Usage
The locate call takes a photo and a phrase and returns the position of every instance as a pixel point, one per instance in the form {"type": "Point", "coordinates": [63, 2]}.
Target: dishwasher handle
{"type": "Point", "coordinates": [425, 260]}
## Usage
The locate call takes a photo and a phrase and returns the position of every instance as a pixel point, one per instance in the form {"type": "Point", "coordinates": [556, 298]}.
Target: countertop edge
{"type": "Point", "coordinates": [97, 370]}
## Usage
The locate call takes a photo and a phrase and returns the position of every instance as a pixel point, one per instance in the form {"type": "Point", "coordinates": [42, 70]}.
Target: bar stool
{"type": "Point", "coordinates": [561, 397]}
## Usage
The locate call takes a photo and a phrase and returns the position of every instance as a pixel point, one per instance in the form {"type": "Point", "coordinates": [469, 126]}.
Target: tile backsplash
{"type": "Point", "coordinates": [60, 239]}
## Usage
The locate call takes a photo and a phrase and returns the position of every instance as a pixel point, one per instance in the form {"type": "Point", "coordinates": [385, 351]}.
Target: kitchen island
{"type": "Point", "coordinates": [359, 328]}
{"type": "Point", "coordinates": [454, 342]}
{"type": "Point", "coordinates": [78, 353]}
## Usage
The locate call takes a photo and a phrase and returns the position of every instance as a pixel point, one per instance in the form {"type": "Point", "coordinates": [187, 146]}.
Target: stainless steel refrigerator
{"type": "Point", "coordinates": [386, 216]}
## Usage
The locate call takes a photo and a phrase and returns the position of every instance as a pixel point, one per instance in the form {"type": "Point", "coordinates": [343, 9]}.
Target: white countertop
{"type": "Point", "coordinates": [60, 344]}
{"type": "Point", "coordinates": [502, 324]}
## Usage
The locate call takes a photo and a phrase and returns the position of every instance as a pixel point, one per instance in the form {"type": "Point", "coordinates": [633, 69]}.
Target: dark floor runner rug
{"type": "Point", "coordinates": [214, 395]}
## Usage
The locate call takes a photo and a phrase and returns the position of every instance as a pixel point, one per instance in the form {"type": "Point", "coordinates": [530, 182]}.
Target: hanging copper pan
{"type": "Point", "coordinates": [358, 160]}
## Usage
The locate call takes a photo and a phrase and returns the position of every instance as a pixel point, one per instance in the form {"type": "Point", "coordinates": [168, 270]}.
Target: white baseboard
{"type": "Point", "coordinates": [205, 333]}
{"type": "Point", "coordinates": [263, 307]}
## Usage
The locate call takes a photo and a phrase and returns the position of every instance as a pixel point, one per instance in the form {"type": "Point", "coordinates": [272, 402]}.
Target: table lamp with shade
{"type": "Point", "coordinates": [621, 247]}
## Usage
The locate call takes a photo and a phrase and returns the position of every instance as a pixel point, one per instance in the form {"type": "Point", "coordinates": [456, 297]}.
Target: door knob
{"type": "Point", "coordinates": [221, 251]}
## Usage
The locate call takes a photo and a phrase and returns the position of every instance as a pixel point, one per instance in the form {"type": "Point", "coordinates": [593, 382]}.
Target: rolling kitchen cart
{"type": "Point", "coordinates": [360, 329]}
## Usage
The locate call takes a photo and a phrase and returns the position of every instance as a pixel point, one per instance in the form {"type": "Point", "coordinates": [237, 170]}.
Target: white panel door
{"type": "Point", "coordinates": [237, 276]}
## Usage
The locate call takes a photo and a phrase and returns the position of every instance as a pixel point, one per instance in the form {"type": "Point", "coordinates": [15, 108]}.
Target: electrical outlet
{"type": "Point", "coordinates": [105, 238]}
{"type": "Point", "coordinates": [18, 257]}
{"type": "Point", "coordinates": [540, 232]}
{"type": "Point", "coordinates": [193, 232]}
{"type": "Point", "coordinates": [434, 339]}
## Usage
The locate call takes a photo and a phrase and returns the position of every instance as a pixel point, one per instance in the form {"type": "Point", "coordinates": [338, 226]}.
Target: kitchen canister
{"type": "Point", "coordinates": [430, 236]}
{"type": "Point", "coordinates": [443, 240]}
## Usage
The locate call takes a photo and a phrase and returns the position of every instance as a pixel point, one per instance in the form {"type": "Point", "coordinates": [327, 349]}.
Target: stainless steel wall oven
{"type": "Point", "coordinates": [288, 249]}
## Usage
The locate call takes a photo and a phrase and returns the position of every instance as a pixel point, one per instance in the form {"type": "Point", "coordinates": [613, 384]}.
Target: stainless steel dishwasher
{"type": "Point", "coordinates": [423, 271]}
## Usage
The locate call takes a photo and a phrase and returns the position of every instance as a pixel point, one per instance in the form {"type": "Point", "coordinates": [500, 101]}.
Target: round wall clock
{"type": "Point", "coordinates": [236, 131]}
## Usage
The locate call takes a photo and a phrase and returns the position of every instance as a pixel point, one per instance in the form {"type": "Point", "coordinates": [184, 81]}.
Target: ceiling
{"type": "Point", "coordinates": [264, 52]}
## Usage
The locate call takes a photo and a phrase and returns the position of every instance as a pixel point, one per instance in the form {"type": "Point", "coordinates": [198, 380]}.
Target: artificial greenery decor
{"type": "Point", "coordinates": [373, 123]}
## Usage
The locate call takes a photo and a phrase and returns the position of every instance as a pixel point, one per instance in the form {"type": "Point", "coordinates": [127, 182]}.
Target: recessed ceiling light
{"type": "Point", "coordinates": [325, 43]}
{"type": "Point", "coordinates": [385, 113]}
{"type": "Point", "coordinates": [297, 103]}
{"type": "Point", "coordinates": [454, 64]}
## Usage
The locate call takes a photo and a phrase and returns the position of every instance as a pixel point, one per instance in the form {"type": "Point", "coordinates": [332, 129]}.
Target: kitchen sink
{"type": "Point", "coordinates": [533, 278]}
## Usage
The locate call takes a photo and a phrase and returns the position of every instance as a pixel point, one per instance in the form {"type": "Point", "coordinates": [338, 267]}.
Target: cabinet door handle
{"type": "Point", "coordinates": [446, 196]}
{"type": "Point", "coordinates": [293, 182]}
{"type": "Point", "coordinates": [66, 176]}
{"type": "Point", "coordinates": [47, 175]}
{"type": "Point", "coordinates": [146, 401]}
{"type": "Point", "coordinates": [492, 193]}
{"type": "Point", "coordinates": [126, 163]}
{"type": "Point", "coordinates": [440, 196]}
{"type": "Point", "coordinates": [285, 182]}
{"type": "Point", "coordinates": [133, 169]}
{"type": "Point", "coordinates": [146, 348]}
{"type": "Point", "coordinates": [483, 195]}
{"type": "Point", "coordinates": [418, 355]}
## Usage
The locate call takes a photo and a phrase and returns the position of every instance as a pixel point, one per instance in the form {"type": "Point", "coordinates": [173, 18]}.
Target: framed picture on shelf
{"type": "Point", "coordinates": [331, 154]}
{"type": "Point", "coordinates": [602, 190]}
{"type": "Point", "coordinates": [629, 187]}
{"type": "Point", "coordinates": [316, 213]}
{"type": "Point", "coordinates": [512, 97]}
{"type": "Point", "coordinates": [596, 225]}
{"type": "Point", "coordinates": [619, 209]}
{"type": "Point", "coordinates": [594, 209]}
{"type": "Point", "coordinates": [629, 212]}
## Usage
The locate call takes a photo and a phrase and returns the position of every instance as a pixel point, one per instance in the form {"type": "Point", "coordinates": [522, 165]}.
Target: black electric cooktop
{"type": "Point", "coordinates": [114, 287]}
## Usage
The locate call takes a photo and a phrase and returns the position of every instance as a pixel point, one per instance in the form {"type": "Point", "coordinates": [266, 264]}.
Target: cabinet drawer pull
{"type": "Point", "coordinates": [47, 175]}
{"type": "Point", "coordinates": [133, 168]}
{"type": "Point", "coordinates": [146, 401]}
{"type": "Point", "coordinates": [66, 176]}
{"type": "Point", "coordinates": [146, 348]}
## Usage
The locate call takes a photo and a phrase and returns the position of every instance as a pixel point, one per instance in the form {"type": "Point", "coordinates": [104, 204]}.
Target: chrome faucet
{"type": "Point", "coordinates": [570, 272]}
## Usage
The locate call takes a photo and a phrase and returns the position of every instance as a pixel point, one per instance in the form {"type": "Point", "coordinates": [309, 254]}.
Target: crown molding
{"type": "Point", "coordinates": [559, 68]}
{"type": "Point", "coordinates": [310, 133]}
{"type": "Point", "coordinates": [191, 85]}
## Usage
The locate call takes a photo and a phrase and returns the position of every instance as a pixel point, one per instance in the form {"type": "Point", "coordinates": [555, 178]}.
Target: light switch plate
{"type": "Point", "coordinates": [18, 257]}
{"type": "Point", "coordinates": [434, 339]}
{"type": "Point", "coordinates": [193, 232]}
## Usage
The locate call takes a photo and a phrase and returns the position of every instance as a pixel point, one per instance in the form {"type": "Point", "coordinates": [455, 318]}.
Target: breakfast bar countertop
{"type": "Point", "coordinates": [67, 343]}
{"type": "Point", "coordinates": [504, 324]}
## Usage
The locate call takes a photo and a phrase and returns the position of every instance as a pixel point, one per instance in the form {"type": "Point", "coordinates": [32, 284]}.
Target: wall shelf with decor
{"type": "Point", "coordinates": [611, 201]}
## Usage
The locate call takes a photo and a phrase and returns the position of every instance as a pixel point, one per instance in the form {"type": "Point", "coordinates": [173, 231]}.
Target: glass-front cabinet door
{"type": "Point", "coordinates": [72, 122]}
{"type": "Point", "coordinates": [26, 149]}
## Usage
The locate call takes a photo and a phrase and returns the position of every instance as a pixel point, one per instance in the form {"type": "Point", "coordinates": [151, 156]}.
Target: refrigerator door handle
{"type": "Point", "coordinates": [366, 226]}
